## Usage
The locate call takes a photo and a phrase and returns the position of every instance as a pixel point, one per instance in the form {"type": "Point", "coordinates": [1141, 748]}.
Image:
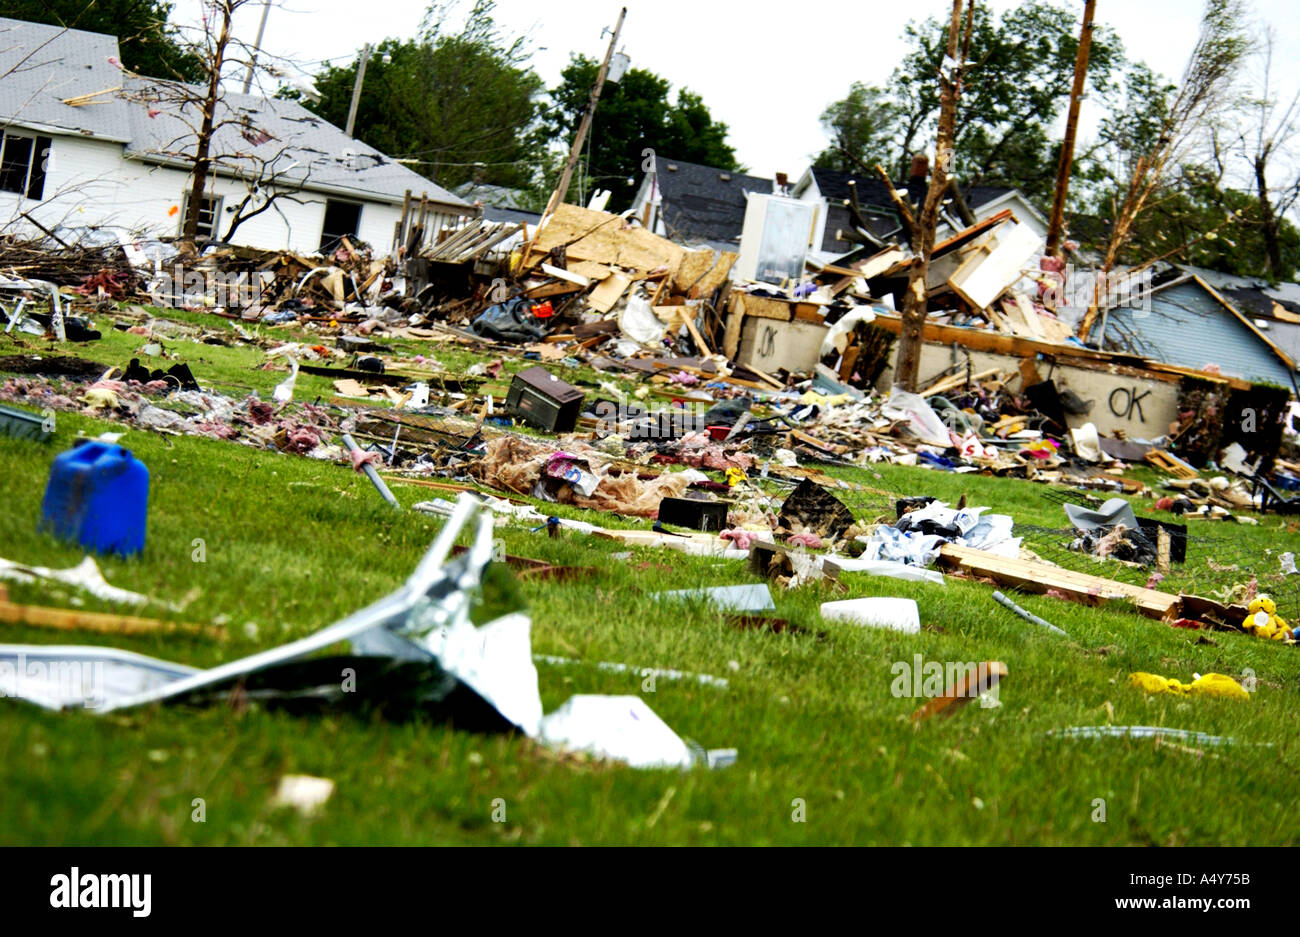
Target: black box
{"type": "Point", "coordinates": [693, 513]}
{"type": "Point", "coordinates": [542, 399]}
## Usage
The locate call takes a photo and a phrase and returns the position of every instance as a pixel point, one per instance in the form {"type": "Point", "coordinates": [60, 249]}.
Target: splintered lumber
{"type": "Point", "coordinates": [1040, 577]}
{"type": "Point", "coordinates": [685, 315]}
{"type": "Point", "coordinates": [65, 619]}
{"type": "Point", "coordinates": [957, 380]}
{"type": "Point", "coordinates": [1171, 464]}
{"type": "Point", "coordinates": [972, 683]}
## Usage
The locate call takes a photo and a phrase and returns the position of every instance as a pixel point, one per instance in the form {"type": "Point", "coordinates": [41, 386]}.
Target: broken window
{"type": "Point", "coordinates": [22, 164]}
{"type": "Point", "coordinates": [341, 220]}
{"type": "Point", "coordinates": [209, 215]}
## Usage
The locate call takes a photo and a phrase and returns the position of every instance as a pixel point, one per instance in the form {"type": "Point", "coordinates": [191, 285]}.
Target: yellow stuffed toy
{"type": "Point", "coordinates": [1264, 621]}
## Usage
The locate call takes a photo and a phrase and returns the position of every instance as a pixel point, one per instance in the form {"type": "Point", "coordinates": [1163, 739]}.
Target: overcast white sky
{"type": "Point", "coordinates": [767, 70]}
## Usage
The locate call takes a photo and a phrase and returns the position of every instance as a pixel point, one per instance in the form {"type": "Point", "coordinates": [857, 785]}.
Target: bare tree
{"type": "Point", "coordinates": [923, 227]}
{"type": "Point", "coordinates": [1205, 86]}
{"type": "Point", "coordinates": [1264, 143]}
{"type": "Point", "coordinates": [264, 164]}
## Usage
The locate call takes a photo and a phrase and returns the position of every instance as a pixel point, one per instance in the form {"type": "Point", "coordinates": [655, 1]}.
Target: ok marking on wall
{"type": "Point", "coordinates": [1130, 399]}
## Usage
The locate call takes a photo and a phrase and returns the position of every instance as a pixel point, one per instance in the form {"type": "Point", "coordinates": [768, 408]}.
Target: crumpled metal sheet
{"type": "Point", "coordinates": [420, 648]}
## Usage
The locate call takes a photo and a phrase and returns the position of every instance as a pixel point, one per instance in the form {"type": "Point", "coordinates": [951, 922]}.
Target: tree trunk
{"type": "Point", "coordinates": [1272, 243]}
{"type": "Point", "coordinates": [202, 146]}
{"type": "Point", "coordinates": [908, 363]}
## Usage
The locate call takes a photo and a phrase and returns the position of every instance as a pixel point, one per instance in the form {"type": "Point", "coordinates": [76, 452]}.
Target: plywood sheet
{"type": "Point", "coordinates": [705, 270]}
{"type": "Point", "coordinates": [600, 237]}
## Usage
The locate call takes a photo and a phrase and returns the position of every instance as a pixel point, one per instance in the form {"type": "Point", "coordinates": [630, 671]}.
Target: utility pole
{"type": "Point", "coordinates": [1057, 224]}
{"type": "Point", "coordinates": [356, 88]}
{"type": "Point", "coordinates": [576, 150]}
{"type": "Point", "coordinates": [257, 46]}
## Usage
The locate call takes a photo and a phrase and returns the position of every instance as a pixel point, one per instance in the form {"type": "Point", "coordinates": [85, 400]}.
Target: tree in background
{"type": "Point", "coordinates": [456, 105]}
{"type": "Point", "coordinates": [1183, 123]}
{"type": "Point", "coordinates": [1268, 128]}
{"type": "Point", "coordinates": [1016, 80]}
{"type": "Point", "coordinates": [861, 128]}
{"type": "Point", "coordinates": [633, 115]}
{"type": "Point", "coordinates": [149, 46]}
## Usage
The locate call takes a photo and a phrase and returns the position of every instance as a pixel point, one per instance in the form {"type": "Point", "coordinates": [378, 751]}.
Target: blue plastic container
{"type": "Point", "coordinates": [98, 495]}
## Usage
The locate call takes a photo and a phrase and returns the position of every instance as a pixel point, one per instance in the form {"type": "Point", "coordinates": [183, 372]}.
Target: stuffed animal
{"type": "Point", "coordinates": [1263, 620]}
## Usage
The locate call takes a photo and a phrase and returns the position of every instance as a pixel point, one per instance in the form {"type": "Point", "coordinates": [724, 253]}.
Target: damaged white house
{"type": "Point", "coordinates": [87, 146]}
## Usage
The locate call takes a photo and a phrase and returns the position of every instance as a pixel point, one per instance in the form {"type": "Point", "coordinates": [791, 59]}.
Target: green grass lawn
{"type": "Point", "coordinates": [292, 544]}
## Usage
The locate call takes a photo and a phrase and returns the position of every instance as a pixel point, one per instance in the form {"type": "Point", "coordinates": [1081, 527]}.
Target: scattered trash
{"type": "Point", "coordinates": [1027, 616]}
{"type": "Point", "coordinates": [1211, 684]}
{"type": "Point", "coordinates": [750, 598]}
{"type": "Point", "coordinates": [85, 575]}
{"type": "Point", "coordinates": [20, 424]}
{"type": "Point", "coordinates": [624, 728]}
{"type": "Point", "coordinates": [1143, 732]}
{"type": "Point", "coordinates": [303, 793]}
{"type": "Point", "coordinates": [876, 612]}
{"type": "Point", "coordinates": [542, 399]}
{"type": "Point", "coordinates": [361, 463]}
{"type": "Point", "coordinates": [414, 651]}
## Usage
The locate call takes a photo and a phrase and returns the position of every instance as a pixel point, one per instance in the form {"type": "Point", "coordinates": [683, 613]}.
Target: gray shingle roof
{"type": "Point", "coordinates": [701, 203]}
{"type": "Point", "coordinates": [42, 65]}
{"type": "Point", "coordinates": [303, 145]}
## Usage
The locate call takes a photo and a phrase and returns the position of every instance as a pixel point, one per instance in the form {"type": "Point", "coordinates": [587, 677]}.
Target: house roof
{"type": "Point", "coordinates": [1252, 295]}
{"type": "Point", "coordinates": [702, 203]}
{"type": "Point", "coordinates": [303, 146]}
{"type": "Point", "coordinates": [497, 196]}
{"type": "Point", "coordinates": [513, 215]}
{"type": "Point", "coordinates": [833, 184]}
{"type": "Point", "coordinates": [43, 65]}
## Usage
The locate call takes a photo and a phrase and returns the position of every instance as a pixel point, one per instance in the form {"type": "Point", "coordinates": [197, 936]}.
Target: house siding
{"type": "Point", "coordinates": [1187, 326]}
{"type": "Point", "coordinates": [90, 183]}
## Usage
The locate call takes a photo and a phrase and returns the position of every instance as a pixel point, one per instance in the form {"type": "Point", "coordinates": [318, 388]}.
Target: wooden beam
{"type": "Point", "coordinates": [65, 619]}
{"type": "Point", "coordinates": [1039, 577]}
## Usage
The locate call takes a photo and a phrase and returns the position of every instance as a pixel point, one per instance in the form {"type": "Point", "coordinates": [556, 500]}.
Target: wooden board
{"type": "Point", "coordinates": [1039, 577]}
{"type": "Point", "coordinates": [983, 678]}
{"type": "Point", "coordinates": [602, 238]}
{"type": "Point", "coordinates": [65, 619]}
{"type": "Point", "coordinates": [731, 335]}
{"type": "Point", "coordinates": [610, 290]}
{"type": "Point", "coordinates": [592, 271]}
{"type": "Point", "coordinates": [1030, 315]}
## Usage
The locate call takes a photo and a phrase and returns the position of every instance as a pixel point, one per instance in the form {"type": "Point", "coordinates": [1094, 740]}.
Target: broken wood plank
{"type": "Point", "coordinates": [1039, 577]}
{"type": "Point", "coordinates": [551, 270]}
{"type": "Point", "coordinates": [65, 619]}
{"type": "Point", "coordinates": [606, 295]}
{"type": "Point", "coordinates": [984, 677]}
